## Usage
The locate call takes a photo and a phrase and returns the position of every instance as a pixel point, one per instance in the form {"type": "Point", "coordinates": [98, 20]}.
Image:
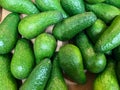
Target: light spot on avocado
{"type": "Point", "coordinates": [20, 68]}
{"type": "Point", "coordinates": [1, 43]}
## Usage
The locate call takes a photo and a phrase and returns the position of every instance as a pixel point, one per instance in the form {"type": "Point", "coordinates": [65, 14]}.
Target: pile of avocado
{"type": "Point", "coordinates": [28, 52]}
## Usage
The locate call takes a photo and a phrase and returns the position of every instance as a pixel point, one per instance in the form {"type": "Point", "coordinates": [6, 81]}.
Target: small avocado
{"type": "Point", "coordinates": [38, 78]}
{"type": "Point", "coordinates": [19, 6]}
{"type": "Point", "coordinates": [44, 46]}
{"type": "Point", "coordinates": [9, 33]}
{"type": "Point", "coordinates": [71, 62]}
{"type": "Point", "coordinates": [23, 59]}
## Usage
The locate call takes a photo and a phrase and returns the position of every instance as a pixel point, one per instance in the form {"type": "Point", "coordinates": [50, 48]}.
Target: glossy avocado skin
{"type": "Point", "coordinates": [70, 27]}
{"type": "Point", "coordinates": [71, 62]}
{"type": "Point", "coordinates": [33, 25]}
{"type": "Point", "coordinates": [73, 7]}
{"type": "Point", "coordinates": [56, 81]}
{"type": "Point", "coordinates": [23, 59]}
{"type": "Point", "coordinates": [113, 2]}
{"type": "Point", "coordinates": [8, 33]}
{"type": "Point", "coordinates": [48, 5]}
{"type": "Point", "coordinates": [7, 81]}
{"type": "Point", "coordinates": [107, 80]}
{"type": "Point", "coordinates": [110, 38]}
{"type": "Point", "coordinates": [19, 6]}
{"type": "Point", "coordinates": [44, 46]}
{"type": "Point", "coordinates": [95, 62]}
{"type": "Point", "coordinates": [38, 77]}
{"type": "Point", "coordinates": [103, 11]}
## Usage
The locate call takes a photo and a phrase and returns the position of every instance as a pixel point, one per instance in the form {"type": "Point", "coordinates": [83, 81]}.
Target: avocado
{"type": "Point", "coordinates": [7, 81]}
{"type": "Point", "coordinates": [95, 30]}
{"type": "Point", "coordinates": [19, 6]}
{"type": "Point", "coordinates": [8, 33]}
{"type": "Point", "coordinates": [107, 79]}
{"type": "Point", "coordinates": [69, 27]}
{"type": "Point", "coordinates": [110, 37]}
{"type": "Point", "coordinates": [38, 77]}
{"type": "Point", "coordinates": [103, 11]}
{"type": "Point", "coordinates": [23, 59]}
{"type": "Point", "coordinates": [73, 7]}
{"type": "Point", "coordinates": [48, 5]}
{"type": "Point", "coordinates": [71, 62]}
{"type": "Point", "coordinates": [113, 2]}
{"type": "Point", "coordinates": [44, 46]}
{"type": "Point", "coordinates": [56, 81]}
{"type": "Point", "coordinates": [94, 62]}
{"type": "Point", "coordinates": [33, 25]}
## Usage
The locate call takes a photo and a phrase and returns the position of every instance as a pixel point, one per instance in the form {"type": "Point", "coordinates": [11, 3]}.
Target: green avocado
{"type": "Point", "coordinates": [23, 59]}
{"type": "Point", "coordinates": [71, 62]}
{"type": "Point", "coordinates": [8, 33]}
{"type": "Point", "coordinates": [19, 6]}
{"type": "Point", "coordinates": [68, 28]}
{"type": "Point", "coordinates": [104, 11]}
{"type": "Point", "coordinates": [73, 7]}
{"type": "Point", "coordinates": [38, 78]}
{"type": "Point", "coordinates": [44, 46]}
{"type": "Point", "coordinates": [33, 25]}
{"type": "Point", "coordinates": [110, 38]}
{"type": "Point", "coordinates": [7, 81]}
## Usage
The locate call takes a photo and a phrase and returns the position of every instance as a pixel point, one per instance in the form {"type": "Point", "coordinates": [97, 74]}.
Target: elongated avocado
{"type": "Point", "coordinates": [9, 33]}
{"type": "Point", "coordinates": [68, 28]}
{"type": "Point", "coordinates": [19, 6]}
{"type": "Point", "coordinates": [33, 25]}
{"type": "Point", "coordinates": [110, 37]}
{"type": "Point", "coordinates": [104, 11]}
